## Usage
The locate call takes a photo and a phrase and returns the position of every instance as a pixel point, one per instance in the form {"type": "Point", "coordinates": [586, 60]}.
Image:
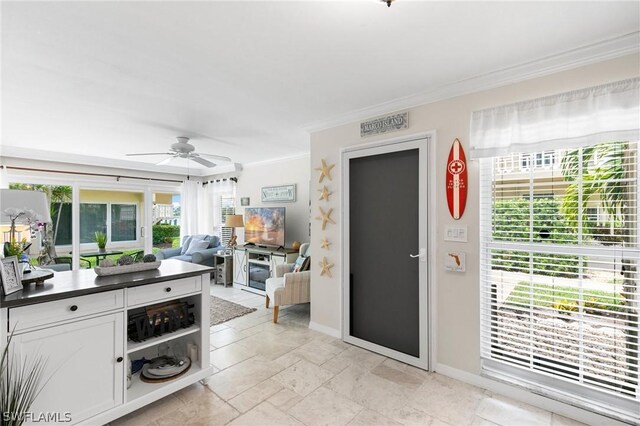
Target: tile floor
{"type": "Point", "coordinates": [286, 374]}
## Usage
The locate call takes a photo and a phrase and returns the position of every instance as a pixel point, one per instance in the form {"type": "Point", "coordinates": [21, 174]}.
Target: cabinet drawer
{"type": "Point", "coordinates": [49, 313]}
{"type": "Point", "coordinates": [163, 291]}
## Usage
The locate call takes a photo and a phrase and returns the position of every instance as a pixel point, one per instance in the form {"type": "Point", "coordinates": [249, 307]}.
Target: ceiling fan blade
{"type": "Point", "coordinates": [217, 157]}
{"type": "Point", "coordinates": [202, 161]}
{"type": "Point", "coordinates": [165, 161]}
{"type": "Point", "coordinates": [149, 153]}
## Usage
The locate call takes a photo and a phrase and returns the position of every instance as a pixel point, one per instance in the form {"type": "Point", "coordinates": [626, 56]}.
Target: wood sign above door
{"type": "Point", "coordinates": [456, 180]}
{"type": "Point", "coordinates": [384, 124]}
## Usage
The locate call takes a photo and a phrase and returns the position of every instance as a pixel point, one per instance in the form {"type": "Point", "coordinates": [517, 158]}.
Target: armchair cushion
{"type": "Point", "coordinates": [290, 289]}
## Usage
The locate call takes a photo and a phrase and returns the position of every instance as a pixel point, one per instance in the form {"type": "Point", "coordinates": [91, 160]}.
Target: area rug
{"type": "Point", "coordinates": [221, 310]}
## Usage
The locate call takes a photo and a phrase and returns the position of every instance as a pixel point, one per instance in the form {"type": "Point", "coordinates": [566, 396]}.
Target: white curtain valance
{"type": "Point", "coordinates": [606, 113]}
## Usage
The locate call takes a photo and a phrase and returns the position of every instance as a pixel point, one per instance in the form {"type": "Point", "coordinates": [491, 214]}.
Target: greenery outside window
{"type": "Point", "coordinates": [559, 289]}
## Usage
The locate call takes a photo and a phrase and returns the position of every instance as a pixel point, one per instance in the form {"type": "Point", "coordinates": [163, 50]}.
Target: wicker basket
{"type": "Point", "coordinates": [125, 269]}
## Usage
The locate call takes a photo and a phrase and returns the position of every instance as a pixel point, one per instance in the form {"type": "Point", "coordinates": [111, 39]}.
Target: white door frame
{"type": "Point", "coordinates": [425, 142]}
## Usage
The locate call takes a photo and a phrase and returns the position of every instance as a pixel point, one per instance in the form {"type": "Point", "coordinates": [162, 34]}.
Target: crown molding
{"type": "Point", "coordinates": [88, 160]}
{"type": "Point", "coordinates": [298, 156]}
{"type": "Point", "coordinates": [585, 55]}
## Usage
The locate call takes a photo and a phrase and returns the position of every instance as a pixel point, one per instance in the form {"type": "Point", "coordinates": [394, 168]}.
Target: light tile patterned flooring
{"type": "Point", "coordinates": [286, 374]}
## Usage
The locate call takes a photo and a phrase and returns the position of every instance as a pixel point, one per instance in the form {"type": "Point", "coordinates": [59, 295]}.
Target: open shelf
{"type": "Point", "coordinates": [153, 341]}
{"type": "Point", "coordinates": [140, 389]}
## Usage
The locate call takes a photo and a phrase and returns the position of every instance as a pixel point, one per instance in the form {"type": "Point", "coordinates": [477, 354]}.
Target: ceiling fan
{"type": "Point", "coordinates": [183, 149]}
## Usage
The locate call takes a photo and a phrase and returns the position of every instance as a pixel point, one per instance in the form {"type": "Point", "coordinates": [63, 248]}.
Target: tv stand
{"type": "Point", "coordinates": [253, 265]}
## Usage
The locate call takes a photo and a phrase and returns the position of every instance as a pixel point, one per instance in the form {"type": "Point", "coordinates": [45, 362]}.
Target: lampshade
{"type": "Point", "coordinates": [21, 200]}
{"type": "Point", "coordinates": [234, 221]}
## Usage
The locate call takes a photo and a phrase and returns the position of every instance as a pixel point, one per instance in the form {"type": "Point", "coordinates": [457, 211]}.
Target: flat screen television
{"type": "Point", "coordinates": [264, 226]}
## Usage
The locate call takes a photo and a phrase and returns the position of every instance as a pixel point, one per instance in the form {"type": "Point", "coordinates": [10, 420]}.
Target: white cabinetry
{"type": "Point", "coordinates": [84, 340]}
{"type": "Point", "coordinates": [85, 364]}
{"type": "Point", "coordinates": [253, 265]}
{"type": "Point", "coordinates": [240, 267]}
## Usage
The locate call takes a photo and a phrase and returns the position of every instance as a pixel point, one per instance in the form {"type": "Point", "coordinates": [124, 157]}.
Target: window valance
{"type": "Point", "coordinates": [606, 113]}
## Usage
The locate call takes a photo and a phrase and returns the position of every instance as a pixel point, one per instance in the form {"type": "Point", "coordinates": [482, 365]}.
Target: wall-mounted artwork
{"type": "Point", "coordinates": [279, 194]}
{"type": "Point", "coordinates": [456, 180]}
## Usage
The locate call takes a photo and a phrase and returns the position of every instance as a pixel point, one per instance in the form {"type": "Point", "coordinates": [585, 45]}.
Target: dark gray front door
{"type": "Point", "coordinates": [383, 218]}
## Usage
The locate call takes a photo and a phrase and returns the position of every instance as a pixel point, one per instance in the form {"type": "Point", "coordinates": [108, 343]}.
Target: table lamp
{"type": "Point", "coordinates": [233, 221]}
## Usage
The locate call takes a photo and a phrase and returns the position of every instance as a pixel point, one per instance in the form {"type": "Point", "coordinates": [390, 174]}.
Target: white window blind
{"type": "Point", "coordinates": [559, 285]}
{"type": "Point", "coordinates": [227, 207]}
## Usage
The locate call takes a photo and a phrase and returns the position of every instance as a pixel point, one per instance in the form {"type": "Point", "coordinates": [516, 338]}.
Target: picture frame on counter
{"type": "Point", "coordinates": [10, 275]}
{"type": "Point", "coordinates": [278, 194]}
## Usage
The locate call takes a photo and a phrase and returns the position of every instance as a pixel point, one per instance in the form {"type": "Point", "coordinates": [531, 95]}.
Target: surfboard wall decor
{"type": "Point", "coordinates": [456, 180]}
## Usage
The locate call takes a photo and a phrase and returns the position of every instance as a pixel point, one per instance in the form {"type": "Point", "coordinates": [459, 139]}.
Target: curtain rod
{"type": "Point", "coordinates": [118, 177]}
{"type": "Point", "coordinates": [235, 179]}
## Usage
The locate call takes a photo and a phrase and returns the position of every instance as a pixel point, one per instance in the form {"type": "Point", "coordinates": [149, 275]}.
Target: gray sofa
{"type": "Point", "coordinates": [201, 257]}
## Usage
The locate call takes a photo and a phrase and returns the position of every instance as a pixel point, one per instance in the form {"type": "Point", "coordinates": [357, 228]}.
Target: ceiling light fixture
{"type": "Point", "coordinates": [388, 2]}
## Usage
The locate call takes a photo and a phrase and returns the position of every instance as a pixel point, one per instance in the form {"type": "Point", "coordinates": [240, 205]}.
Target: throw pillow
{"type": "Point", "coordinates": [302, 263]}
{"type": "Point", "coordinates": [197, 245]}
{"type": "Point", "coordinates": [185, 245]}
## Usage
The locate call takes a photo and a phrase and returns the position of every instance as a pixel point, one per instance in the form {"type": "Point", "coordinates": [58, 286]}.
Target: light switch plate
{"type": "Point", "coordinates": [455, 233]}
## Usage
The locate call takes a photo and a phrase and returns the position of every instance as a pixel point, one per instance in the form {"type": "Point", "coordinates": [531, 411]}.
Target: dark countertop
{"type": "Point", "coordinates": [85, 281]}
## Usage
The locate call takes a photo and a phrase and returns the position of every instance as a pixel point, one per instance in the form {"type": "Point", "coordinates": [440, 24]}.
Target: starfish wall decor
{"type": "Point", "coordinates": [324, 193]}
{"type": "Point", "coordinates": [325, 243]}
{"type": "Point", "coordinates": [325, 170]}
{"type": "Point", "coordinates": [326, 267]}
{"type": "Point", "coordinates": [325, 217]}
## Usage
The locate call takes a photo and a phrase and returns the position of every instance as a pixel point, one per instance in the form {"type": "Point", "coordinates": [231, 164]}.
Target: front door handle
{"type": "Point", "coordinates": [422, 255]}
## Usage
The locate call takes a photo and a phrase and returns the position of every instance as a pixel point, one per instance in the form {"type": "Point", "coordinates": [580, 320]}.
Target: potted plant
{"type": "Point", "coordinates": [20, 384]}
{"type": "Point", "coordinates": [101, 239]}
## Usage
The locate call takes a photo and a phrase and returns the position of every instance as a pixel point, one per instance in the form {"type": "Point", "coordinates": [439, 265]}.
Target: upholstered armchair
{"type": "Point", "coordinates": [288, 287]}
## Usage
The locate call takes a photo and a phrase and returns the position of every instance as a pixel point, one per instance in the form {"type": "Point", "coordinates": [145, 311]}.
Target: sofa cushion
{"type": "Point", "coordinates": [184, 257]}
{"type": "Point", "coordinates": [197, 245]}
{"type": "Point", "coordinates": [214, 241]}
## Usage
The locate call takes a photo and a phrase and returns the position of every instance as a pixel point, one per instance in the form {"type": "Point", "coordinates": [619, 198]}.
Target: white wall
{"type": "Point", "coordinates": [279, 172]}
{"type": "Point", "coordinates": [458, 340]}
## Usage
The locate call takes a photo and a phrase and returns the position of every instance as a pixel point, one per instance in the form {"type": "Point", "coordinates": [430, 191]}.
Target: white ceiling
{"type": "Point", "coordinates": [244, 79]}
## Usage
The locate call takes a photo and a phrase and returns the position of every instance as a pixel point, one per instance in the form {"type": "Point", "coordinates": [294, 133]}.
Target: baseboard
{"type": "Point", "coordinates": [522, 395]}
{"type": "Point", "coordinates": [325, 330]}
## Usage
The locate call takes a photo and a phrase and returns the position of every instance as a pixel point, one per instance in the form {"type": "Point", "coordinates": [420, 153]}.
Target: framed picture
{"type": "Point", "coordinates": [244, 201]}
{"type": "Point", "coordinates": [278, 194]}
{"type": "Point", "coordinates": [10, 275]}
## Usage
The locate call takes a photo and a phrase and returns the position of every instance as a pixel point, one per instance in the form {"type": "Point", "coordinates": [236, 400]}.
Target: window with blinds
{"type": "Point", "coordinates": [559, 281]}
{"type": "Point", "coordinates": [227, 207]}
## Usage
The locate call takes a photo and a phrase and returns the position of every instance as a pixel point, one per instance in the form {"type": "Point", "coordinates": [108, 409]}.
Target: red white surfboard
{"type": "Point", "coordinates": [456, 180]}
